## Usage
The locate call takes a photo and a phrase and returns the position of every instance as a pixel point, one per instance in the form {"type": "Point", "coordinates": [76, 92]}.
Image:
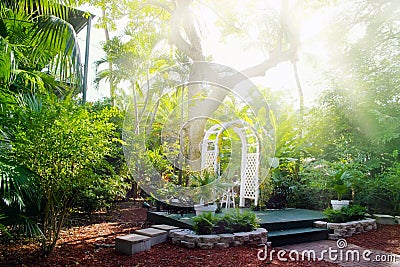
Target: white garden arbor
{"type": "Point", "coordinates": [250, 156]}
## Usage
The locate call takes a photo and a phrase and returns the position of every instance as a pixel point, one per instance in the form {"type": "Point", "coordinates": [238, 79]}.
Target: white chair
{"type": "Point", "coordinates": [228, 198]}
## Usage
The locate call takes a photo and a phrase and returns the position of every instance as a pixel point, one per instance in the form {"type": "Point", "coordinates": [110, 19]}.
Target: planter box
{"type": "Point", "coordinates": [189, 239]}
{"type": "Point", "coordinates": [201, 209]}
{"type": "Point", "coordinates": [338, 204]}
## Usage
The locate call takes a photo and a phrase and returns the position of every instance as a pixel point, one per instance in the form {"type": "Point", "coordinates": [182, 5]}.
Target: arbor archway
{"type": "Point", "coordinates": [250, 156]}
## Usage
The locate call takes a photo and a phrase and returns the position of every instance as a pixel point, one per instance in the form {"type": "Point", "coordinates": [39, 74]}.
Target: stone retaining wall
{"type": "Point", "coordinates": [190, 239]}
{"type": "Point", "coordinates": [347, 229]}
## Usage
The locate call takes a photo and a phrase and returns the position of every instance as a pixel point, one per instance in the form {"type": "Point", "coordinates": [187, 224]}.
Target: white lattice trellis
{"type": "Point", "coordinates": [250, 161]}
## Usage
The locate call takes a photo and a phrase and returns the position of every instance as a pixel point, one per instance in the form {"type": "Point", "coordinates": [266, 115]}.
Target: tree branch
{"type": "Point", "coordinates": [193, 52]}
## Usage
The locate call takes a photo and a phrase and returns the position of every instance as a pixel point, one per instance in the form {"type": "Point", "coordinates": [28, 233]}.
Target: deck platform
{"type": "Point", "coordinates": [286, 226]}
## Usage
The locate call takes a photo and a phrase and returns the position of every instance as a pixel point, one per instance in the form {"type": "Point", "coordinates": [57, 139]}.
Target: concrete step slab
{"type": "Point", "coordinates": [164, 227]}
{"type": "Point", "coordinates": [132, 243]}
{"type": "Point", "coordinates": [157, 236]}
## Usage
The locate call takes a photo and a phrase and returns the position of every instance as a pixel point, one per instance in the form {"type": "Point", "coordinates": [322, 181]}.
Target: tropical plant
{"type": "Point", "coordinates": [339, 183]}
{"type": "Point", "coordinates": [205, 181]}
{"type": "Point", "coordinates": [20, 202]}
{"type": "Point", "coordinates": [39, 48]}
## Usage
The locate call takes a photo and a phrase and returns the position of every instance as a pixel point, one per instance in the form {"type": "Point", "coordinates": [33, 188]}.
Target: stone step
{"type": "Point", "coordinates": [298, 235]}
{"type": "Point", "coordinates": [143, 239]}
{"type": "Point", "coordinates": [132, 243]}
{"type": "Point", "coordinates": [157, 236]}
{"type": "Point", "coordinates": [164, 227]}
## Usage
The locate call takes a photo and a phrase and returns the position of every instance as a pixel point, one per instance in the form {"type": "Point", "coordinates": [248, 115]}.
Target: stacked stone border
{"type": "Point", "coordinates": [347, 229]}
{"type": "Point", "coordinates": [189, 239]}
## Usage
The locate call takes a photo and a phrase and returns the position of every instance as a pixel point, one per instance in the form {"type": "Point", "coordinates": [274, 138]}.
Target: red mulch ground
{"type": "Point", "coordinates": [82, 244]}
{"type": "Point", "coordinates": [386, 238]}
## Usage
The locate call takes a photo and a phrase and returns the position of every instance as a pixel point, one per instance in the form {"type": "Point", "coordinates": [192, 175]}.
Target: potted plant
{"type": "Point", "coordinates": [340, 184]}
{"type": "Point", "coordinates": [203, 181]}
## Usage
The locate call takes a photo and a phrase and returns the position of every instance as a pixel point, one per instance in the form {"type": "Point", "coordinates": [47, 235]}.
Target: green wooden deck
{"type": "Point", "coordinates": [287, 226]}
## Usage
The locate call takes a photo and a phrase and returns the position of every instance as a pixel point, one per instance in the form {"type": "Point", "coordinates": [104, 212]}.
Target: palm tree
{"type": "Point", "coordinates": [38, 48]}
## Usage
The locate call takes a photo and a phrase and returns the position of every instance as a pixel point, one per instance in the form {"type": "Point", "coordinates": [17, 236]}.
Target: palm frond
{"type": "Point", "coordinates": [23, 225]}
{"type": "Point", "coordinates": [3, 227]}
{"type": "Point", "coordinates": [100, 76]}
{"type": "Point", "coordinates": [16, 187]}
{"type": "Point", "coordinates": [58, 8]}
{"type": "Point", "coordinates": [7, 63]}
{"type": "Point", "coordinates": [57, 38]}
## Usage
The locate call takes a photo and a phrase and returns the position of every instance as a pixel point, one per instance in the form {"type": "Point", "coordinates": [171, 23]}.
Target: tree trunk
{"type": "Point", "coordinates": [202, 107]}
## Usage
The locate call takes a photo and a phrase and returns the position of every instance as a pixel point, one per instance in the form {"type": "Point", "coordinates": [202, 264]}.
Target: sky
{"type": "Point", "coordinates": [280, 78]}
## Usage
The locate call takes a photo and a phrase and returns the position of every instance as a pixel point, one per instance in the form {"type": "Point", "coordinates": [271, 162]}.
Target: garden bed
{"type": "Point", "coordinates": [189, 239]}
{"type": "Point", "coordinates": [347, 229]}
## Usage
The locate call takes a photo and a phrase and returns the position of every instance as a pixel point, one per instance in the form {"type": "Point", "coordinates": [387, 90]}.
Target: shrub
{"type": "Point", "coordinates": [60, 141]}
{"type": "Point", "coordinates": [232, 222]}
{"type": "Point", "coordinates": [382, 193]}
{"type": "Point", "coordinates": [346, 214]}
{"type": "Point", "coordinates": [203, 224]}
{"type": "Point", "coordinates": [241, 221]}
{"type": "Point", "coordinates": [101, 193]}
{"type": "Point", "coordinates": [308, 197]}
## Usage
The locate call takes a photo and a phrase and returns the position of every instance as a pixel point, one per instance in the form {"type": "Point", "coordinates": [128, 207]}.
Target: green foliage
{"type": "Point", "coordinates": [110, 178]}
{"type": "Point", "coordinates": [204, 223]}
{"type": "Point", "coordinates": [346, 214]}
{"type": "Point", "coordinates": [232, 222]}
{"type": "Point", "coordinates": [60, 142]}
{"type": "Point", "coordinates": [339, 182]}
{"type": "Point", "coordinates": [305, 196]}
{"type": "Point", "coordinates": [101, 193]}
{"type": "Point", "coordinates": [382, 193]}
{"type": "Point", "coordinates": [31, 42]}
{"type": "Point", "coordinates": [20, 202]}
{"type": "Point", "coordinates": [242, 221]}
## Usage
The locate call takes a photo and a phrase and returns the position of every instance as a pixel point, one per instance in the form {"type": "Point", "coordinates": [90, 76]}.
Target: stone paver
{"type": "Point", "coordinates": [346, 255]}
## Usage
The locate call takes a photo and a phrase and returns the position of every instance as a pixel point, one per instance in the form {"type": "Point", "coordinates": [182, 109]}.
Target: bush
{"type": "Point", "coordinates": [232, 222]}
{"type": "Point", "coordinates": [382, 193]}
{"type": "Point", "coordinates": [101, 193]}
{"type": "Point", "coordinates": [203, 224]}
{"type": "Point", "coordinates": [308, 197]}
{"type": "Point", "coordinates": [346, 214]}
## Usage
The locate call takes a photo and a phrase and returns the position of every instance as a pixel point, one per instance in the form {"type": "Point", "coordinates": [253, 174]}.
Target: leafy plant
{"type": "Point", "coordinates": [339, 182]}
{"type": "Point", "coordinates": [382, 193]}
{"type": "Point", "coordinates": [61, 142]}
{"type": "Point", "coordinates": [203, 224]}
{"type": "Point", "coordinates": [19, 200]}
{"type": "Point", "coordinates": [346, 214]}
{"type": "Point", "coordinates": [203, 180]}
{"type": "Point", "coordinates": [242, 221]}
{"type": "Point", "coordinates": [232, 222]}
